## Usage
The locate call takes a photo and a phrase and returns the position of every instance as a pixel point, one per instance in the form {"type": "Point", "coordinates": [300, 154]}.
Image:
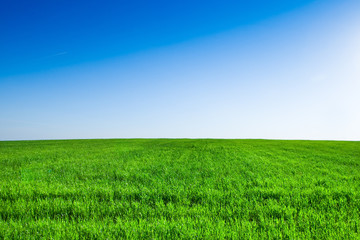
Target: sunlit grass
{"type": "Point", "coordinates": [172, 189]}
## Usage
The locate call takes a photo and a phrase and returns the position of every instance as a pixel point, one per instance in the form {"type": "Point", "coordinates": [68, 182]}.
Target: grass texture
{"type": "Point", "coordinates": [179, 189]}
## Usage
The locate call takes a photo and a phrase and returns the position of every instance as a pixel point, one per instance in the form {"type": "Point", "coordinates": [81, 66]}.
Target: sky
{"type": "Point", "coordinates": [180, 69]}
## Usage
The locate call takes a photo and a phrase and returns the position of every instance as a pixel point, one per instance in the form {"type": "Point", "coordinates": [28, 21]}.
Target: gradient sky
{"type": "Point", "coordinates": [199, 69]}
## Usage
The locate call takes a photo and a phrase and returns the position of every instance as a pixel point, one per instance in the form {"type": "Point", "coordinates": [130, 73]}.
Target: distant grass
{"type": "Point", "coordinates": [170, 189]}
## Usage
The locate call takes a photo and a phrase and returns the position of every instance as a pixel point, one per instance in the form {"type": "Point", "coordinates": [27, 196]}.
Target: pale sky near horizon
{"type": "Point", "coordinates": [293, 73]}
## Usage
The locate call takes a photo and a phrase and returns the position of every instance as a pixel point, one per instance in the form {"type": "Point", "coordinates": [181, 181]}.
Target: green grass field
{"type": "Point", "coordinates": [179, 189]}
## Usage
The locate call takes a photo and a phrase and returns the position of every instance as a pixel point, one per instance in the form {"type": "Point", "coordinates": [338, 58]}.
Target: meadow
{"type": "Point", "coordinates": [179, 189]}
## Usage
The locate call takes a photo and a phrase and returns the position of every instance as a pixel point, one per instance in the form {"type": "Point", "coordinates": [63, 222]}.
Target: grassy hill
{"type": "Point", "coordinates": [179, 188]}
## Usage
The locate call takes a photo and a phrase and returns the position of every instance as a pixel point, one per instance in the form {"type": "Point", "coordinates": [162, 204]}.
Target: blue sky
{"type": "Point", "coordinates": [41, 35]}
{"type": "Point", "coordinates": [219, 69]}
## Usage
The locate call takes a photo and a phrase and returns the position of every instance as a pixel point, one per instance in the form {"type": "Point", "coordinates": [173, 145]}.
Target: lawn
{"type": "Point", "coordinates": [179, 189]}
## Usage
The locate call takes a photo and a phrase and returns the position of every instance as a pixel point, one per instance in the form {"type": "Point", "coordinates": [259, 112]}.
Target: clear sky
{"type": "Point", "coordinates": [198, 69]}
